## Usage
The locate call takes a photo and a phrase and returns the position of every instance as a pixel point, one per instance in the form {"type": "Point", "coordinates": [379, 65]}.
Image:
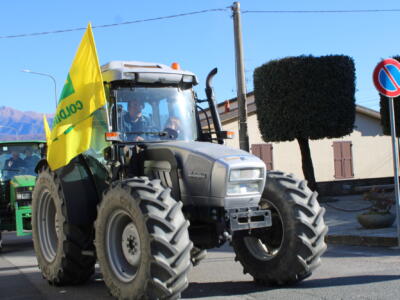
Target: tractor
{"type": "Point", "coordinates": [158, 188]}
{"type": "Point", "coordinates": [18, 160]}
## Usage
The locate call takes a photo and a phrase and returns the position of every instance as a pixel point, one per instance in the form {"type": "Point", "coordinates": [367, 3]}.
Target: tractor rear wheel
{"type": "Point", "coordinates": [59, 246]}
{"type": "Point", "coordinates": [290, 250]}
{"type": "Point", "coordinates": [142, 241]}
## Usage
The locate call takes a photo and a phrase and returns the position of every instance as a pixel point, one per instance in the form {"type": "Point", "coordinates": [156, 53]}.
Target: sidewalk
{"type": "Point", "coordinates": [345, 229]}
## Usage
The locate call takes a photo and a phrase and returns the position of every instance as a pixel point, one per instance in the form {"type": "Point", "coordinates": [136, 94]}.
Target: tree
{"type": "Point", "coordinates": [305, 98]}
{"type": "Point", "coordinates": [384, 109]}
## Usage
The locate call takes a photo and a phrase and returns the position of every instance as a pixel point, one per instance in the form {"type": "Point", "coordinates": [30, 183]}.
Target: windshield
{"type": "Point", "coordinates": [156, 114]}
{"type": "Point", "coordinates": [18, 159]}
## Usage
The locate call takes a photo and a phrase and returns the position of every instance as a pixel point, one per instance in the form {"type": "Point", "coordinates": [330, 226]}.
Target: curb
{"type": "Point", "coordinates": [356, 240]}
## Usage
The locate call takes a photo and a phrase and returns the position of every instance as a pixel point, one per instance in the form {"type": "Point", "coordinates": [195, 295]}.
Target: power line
{"type": "Point", "coordinates": [200, 12]}
{"type": "Point", "coordinates": [114, 24]}
{"type": "Point", "coordinates": [321, 11]}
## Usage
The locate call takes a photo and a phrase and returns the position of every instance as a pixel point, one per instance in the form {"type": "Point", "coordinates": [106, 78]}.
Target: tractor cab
{"type": "Point", "coordinates": [18, 160]}
{"type": "Point", "coordinates": [151, 102]}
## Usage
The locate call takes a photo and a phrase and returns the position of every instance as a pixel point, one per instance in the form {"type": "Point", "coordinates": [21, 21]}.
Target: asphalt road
{"type": "Point", "coordinates": [346, 273]}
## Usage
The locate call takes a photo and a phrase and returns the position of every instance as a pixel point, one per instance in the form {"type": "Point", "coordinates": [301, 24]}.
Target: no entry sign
{"type": "Point", "coordinates": [387, 77]}
{"type": "Point", "coordinates": [387, 81]}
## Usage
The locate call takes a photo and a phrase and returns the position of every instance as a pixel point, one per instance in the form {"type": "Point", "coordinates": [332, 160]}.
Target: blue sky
{"type": "Point", "coordinates": [199, 42]}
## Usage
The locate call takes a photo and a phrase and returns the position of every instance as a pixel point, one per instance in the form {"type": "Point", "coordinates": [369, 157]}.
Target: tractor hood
{"type": "Point", "coordinates": [205, 174]}
{"type": "Point", "coordinates": [23, 181]}
{"type": "Point", "coordinates": [213, 151]}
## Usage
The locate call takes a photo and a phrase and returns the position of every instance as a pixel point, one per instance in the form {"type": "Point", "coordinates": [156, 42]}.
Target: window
{"type": "Point", "coordinates": [343, 160]}
{"type": "Point", "coordinates": [145, 114]}
{"type": "Point", "coordinates": [264, 151]}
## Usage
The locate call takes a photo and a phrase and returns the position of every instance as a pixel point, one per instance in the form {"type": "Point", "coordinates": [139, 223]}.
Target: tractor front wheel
{"type": "Point", "coordinates": [291, 249]}
{"type": "Point", "coordinates": [142, 241]}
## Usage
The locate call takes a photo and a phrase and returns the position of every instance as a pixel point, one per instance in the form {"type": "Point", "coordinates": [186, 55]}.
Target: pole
{"type": "Point", "coordinates": [240, 78]}
{"type": "Point", "coordinates": [47, 75]}
{"type": "Point", "coordinates": [395, 165]}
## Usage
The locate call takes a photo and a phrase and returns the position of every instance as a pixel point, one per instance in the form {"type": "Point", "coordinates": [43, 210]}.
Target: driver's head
{"type": "Point", "coordinates": [135, 108]}
{"type": "Point", "coordinates": [28, 152]}
{"type": "Point", "coordinates": [14, 154]}
{"type": "Point", "coordinates": [173, 123]}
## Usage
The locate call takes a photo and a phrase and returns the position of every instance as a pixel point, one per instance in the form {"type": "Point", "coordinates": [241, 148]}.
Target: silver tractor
{"type": "Point", "coordinates": [158, 188]}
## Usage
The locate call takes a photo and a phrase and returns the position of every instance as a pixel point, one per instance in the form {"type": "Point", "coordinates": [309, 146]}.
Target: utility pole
{"type": "Point", "coordinates": [240, 78]}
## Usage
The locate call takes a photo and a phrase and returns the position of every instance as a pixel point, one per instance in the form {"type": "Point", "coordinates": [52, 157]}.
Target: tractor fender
{"type": "Point", "coordinates": [79, 190]}
{"type": "Point", "coordinates": [42, 163]}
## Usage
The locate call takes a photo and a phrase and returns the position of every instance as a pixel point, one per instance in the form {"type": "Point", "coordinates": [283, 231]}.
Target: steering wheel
{"type": "Point", "coordinates": [171, 133]}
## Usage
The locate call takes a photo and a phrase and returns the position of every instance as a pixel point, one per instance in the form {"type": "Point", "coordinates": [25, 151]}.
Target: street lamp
{"type": "Point", "coordinates": [47, 75]}
{"type": "Point", "coordinates": [16, 131]}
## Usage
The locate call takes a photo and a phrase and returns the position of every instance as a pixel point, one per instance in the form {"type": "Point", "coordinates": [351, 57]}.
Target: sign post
{"type": "Point", "coordinates": [395, 164]}
{"type": "Point", "coordinates": [387, 81]}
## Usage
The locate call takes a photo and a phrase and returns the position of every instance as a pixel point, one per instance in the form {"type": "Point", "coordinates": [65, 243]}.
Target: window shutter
{"type": "Point", "coordinates": [264, 152]}
{"type": "Point", "coordinates": [343, 160]}
{"type": "Point", "coordinates": [337, 157]}
{"type": "Point", "coordinates": [347, 160]}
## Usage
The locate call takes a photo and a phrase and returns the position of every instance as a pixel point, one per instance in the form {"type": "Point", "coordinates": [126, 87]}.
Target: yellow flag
{"type": "Point", "coordinates": [46, 129]}
{"type": "Point", "coordinates": [82, 95]}
{"type": "Point", "coordinates": [67, 146]}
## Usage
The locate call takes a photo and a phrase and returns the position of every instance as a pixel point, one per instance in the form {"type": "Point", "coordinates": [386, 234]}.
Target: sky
{"type": "Point", "coordinates": [197, 42]}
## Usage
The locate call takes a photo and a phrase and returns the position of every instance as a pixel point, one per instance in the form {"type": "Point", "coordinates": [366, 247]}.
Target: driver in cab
{"type": "Point", "coordinates": [30, 161]}
{"type": "Point", "coordinates": [173, 127]}
{"type": "Point", "coordinates": [134, 121]}
{"type": "Point", "coordinates": [14, 162]}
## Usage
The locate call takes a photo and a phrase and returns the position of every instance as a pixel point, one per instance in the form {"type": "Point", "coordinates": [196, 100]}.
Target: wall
{"type": "Point", "coordinates": [372, 152]}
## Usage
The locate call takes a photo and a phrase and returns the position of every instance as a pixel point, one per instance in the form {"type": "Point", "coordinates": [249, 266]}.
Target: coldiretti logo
{"type": "Point", "coordinates": [67, 112]}
{"type": "Point", "coordinates": [67, 90]}
{"type": "Point", "coordinates": [69, 109]}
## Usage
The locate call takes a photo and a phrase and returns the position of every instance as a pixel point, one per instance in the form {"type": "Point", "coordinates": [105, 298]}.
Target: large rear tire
{"type": "Point", "coordinates": [59, 246]}
{"type": "Point", "coordinates": [290, 250]}
{"type": "Point", "coordinates": [142, 241]}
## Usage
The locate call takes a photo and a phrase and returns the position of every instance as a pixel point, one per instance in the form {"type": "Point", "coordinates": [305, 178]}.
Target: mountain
{"type": "Point", "coordinates": [21, 125]}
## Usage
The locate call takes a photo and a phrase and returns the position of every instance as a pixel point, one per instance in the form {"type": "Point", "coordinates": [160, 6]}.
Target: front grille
{"type": "Point", "coordinates": [23, 194]}
{"type": "Point", "coordinates": [24, 203]}
{"type": "Point", "coordinates": [24, 189]}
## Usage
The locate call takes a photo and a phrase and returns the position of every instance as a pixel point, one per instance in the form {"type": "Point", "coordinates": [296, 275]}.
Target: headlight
{"type": "Point", "coordinates": [239, 188]}
{"type": "Point", "coordinates": [245, 174]}
{"type": "Point", "coordinates": [245, 181]}
{"type": "Point", "coordinates": [24, 196]}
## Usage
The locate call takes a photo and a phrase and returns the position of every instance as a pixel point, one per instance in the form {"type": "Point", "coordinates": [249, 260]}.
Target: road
{"type": "Point", "coordinates": [346, 273]}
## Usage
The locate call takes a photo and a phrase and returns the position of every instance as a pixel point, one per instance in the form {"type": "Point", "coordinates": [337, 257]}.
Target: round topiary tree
{"type": "Point", "coordinates": [384, 109]}
{"type": "Point", "coordinates": [305, 98]}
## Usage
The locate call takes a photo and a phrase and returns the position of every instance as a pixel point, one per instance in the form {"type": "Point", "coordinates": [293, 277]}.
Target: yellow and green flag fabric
{"type": "Point", "coordinates": [82, 95]}
{"type": "Point", "coordinates": [47, 130]}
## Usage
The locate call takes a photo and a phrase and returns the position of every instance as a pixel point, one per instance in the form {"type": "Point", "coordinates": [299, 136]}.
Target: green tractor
{"type": "Point", "coordinates": [163, 190]}
{"type": "Point", "coordinates": [18, 160]}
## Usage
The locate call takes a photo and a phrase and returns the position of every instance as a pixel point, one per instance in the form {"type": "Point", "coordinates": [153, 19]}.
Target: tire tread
{"type": "Point", "coordinates": [304, 236]}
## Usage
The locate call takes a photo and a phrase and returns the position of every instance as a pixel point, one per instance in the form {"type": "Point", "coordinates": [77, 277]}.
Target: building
{"type": "Point", "coordinates": [363, 157]}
